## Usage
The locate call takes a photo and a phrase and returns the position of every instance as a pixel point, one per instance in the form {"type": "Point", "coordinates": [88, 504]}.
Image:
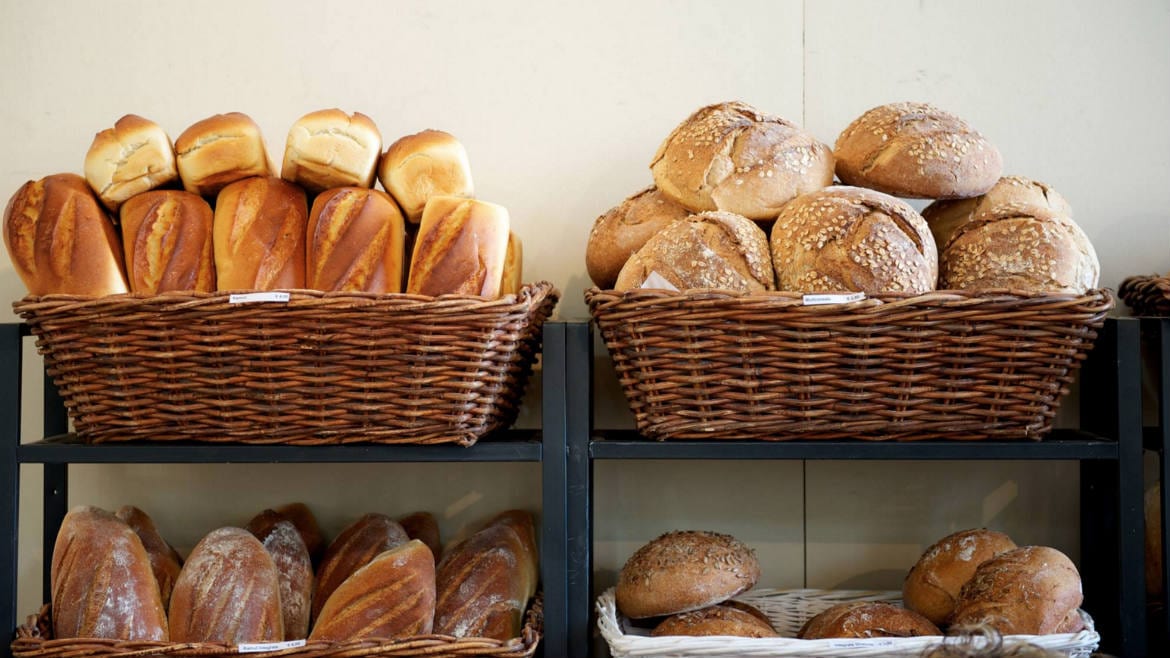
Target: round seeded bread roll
{"type": "Point", "coordinates": [1019, 247]}
{"type": "Point", "coordinates": [623, 230]}
{"type": "Point", "coordinates": [133, 157]}
{"type": "Point", "coordinates": [947, 215]}
{"type": "Point", "coordinates": [685, 570]}
{"type": "Point", "coordinates": [731, 156]}
{"type": "Point", "coordinates": [916, 150]}
{"type": "Point", "coordinates": [709, 250]}
{"type": "Point", "coordinates": [715, 620]}
{"type": "Point", "coordinates": [851, 239]}
{"type": "Point", "coordinates": [867, 619]}
{"type": "Point", "coordinates": [1032, 590]}
{"type": "Point", "coordinates": [933, 583]}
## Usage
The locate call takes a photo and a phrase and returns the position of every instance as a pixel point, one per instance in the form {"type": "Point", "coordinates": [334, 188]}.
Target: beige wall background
{"type": "Point", "coordinates": [561, 105]}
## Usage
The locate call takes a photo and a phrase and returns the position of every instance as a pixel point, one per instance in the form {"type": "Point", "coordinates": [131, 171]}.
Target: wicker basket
{"type": "Point", "coordinates": [719, 365]}
{"type": "Point", "coordinates": [34, 640]}
{"type": "Point", "coordinates": [788, 610]}
{"type": "Point", "coordinates": [1147, 295]}
{"type": "Point", "coordinates": [321, 368]}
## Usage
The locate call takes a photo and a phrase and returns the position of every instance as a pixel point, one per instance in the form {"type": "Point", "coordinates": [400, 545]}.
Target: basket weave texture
{"type": "Point", "coordinates": [34, 640]}
{"type": "Point", "coordinates": [949, 364]}
{"type": "Point", "coordinates": [788, 609]}
{"type": "Point", "coordinates": [1146, 295]}
{"type": "Point", "coordinates": [322, 368]}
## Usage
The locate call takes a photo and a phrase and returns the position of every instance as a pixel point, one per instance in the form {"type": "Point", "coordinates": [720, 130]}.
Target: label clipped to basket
{"type": "Point", "coordinates": [842, 298]}
{"type": "Point", "coordinates": [854, 644]}
{"type": "Point", "coordinates": [248, 297]}
{"type": "Point", "coordinates": [655, 281]}
{"type": "Point", "coordinates": [260, 647]}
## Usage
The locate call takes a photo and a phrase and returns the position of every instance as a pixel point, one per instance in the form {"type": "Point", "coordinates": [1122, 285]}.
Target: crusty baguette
{"type": "Point", "coordinates": [354, 547]}
{"type": "Point", "coordinates": [166, 238]}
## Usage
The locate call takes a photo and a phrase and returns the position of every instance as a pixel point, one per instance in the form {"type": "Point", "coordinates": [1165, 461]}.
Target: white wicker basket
{"type": "Point", "coordinates": [788, 610]}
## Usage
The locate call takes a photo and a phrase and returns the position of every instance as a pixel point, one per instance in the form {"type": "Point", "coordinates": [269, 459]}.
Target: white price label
{"type": "Point", "coordinates": [846, 644]}
{"type": "Point", "coordinates": [658, 282]}
{"type": "Point", "coordinates": [817, 300]}
{"type": "Point", "coordinates": [259, 647]}
{"type": "Point", "coordinates": [246, 297]}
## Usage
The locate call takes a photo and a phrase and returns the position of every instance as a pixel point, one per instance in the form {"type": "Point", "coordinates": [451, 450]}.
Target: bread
{"type": "Point", "coordinates": [294, 569]}
{"type": "Point", "coordinates": [480, 585]}
{"type": "Point", "coordinates": [731, 156]}
{"type": "Point", "coordinates": [682, 571]}
{"type": "Point", "coordinates": [460, 248]}
{"type": "Point", "coordinates": [352, 549]}
{"type": "Point", "coordinates": [851, 239]}
{"type": "Point", "coordinates": [522, 524]}
{"type": "Point", "coordinates": [329, 148]}
{"type": "Point", "coordinates": [709, 250]}
{"type": "Point", "coordinates": [715, 620]}
{"type": "Point", "coordinates": [947, 215]}
{"type": "Point", "coordinates": [392, 596]}
{"type": "Point", "coordinates": [61, 241]}
{"type": "Point", "coordinates": [133, 157]}
{"type": "Point", "coordinates": [1032, 590]}
{"type": "Point", "coordinates": [512, 277]}
{"type": "Point", "coordinates": [424, 165]}
{"type": "Point", "coordinates": [166, 239]}
{"type": "Point", "coordinates": [355, 242]}
{"type": "Point", "coordinates": [1153, 514]}
{"type": "Point", "coordinates": [1019, 247]}
{"type": "Point", "coordinates": [916, 150]}
{"type": "Point", "coordinates": [228, 591]}
{"type": "Point", "coordinates": [423, 527]}
{"type": "Point", "coordinates": [933, 583]}
{"type": "Point", "coordinates": [750, 609]}
{"type": "Point", "coordinates": [860, 619]}
{"type": "Point", "coordinates": [302, 517]}
{"type": "Point", "coordinates": [259, 235]}
{"type": "Point", "coordinates": [623, 230]}
{"type": "Point", "coordinates": [101, 581]}
{"type": "Point", "coordinates": [165, 561]}
{"type": "Point", "coordinates": [220, 150]}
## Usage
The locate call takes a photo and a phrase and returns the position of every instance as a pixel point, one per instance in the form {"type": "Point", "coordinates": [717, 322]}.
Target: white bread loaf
{"type": "Point", "coordinates": [423, 165]}
{"type": "Point", "coordinates": [259, 235]}
{"type": "Point", "coordinates": [355, 242]}
{"type": "Point", "coordinates": [133, 157]}
{"type": "Point", "coordinates": [460, 248]}
{"type": "Point", "coordinates": [219, 150]}
{"type": "Point", "coordinates": [329, 148]}
{"type": "Point", "coordinates": [166, 239]}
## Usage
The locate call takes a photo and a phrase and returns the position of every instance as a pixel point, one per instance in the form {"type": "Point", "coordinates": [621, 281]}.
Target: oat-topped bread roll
{"type": "Point", "coordinates": [623, 229]}
{"type": "Point", "coordinates": [165, 561]}
{"type": "Point", "coordinates": [710, 250]}
{"type": "Point", "coordinates": [355, 241]}
{"type": "Point", "coordinates": [715, 620]}
{"type": "Point", "coordinates": [867, 619]}
{"type": "Point", "coordinates": [947, 215]}
{"type": "Point", "coordinates": [933, 583]}
{"type": "Point", "coordinates": [353, 548]}
{"type": "Point", "coordinates": [460, 248]}
{"type": "Point", "coordinates": [733, 157]}
{"type": "Point", "coordinates": [101, 581]}
{"type": "Point", "coordinates": [61, 241]}
{"type": "Point", "coordinates": [133, 157]}
{"type": "Point", "coordinates": [423, 165]}
{"type": "Point", "coordinates": [329, 148]}
{"type": "Point", "coordinates": [685, 570]}
{"type": "Point", "coordinates": [1032, 590]}
{"type": "Point", "coordinates": [220, 150]}
{"type": "Point", "coordinates": [846, 238]}
{"type": "Point", "coordinates": [166, 238]}
{"type": "Point", "coordinates": [918, 151]}
{"type": "Point", "coordinates": [294, 569]}
{"type": "Point", "coordinates": [1020, 247]}
{"type": "Point", "coordinates": [259, 235]}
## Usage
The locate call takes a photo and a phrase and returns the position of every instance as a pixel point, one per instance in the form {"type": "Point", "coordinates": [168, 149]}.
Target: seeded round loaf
{"type": "Point", "coordinates": [685, 570]}
{"type": "Point", "coordinates": [916, 150]}
{"type": "Point", "coordinates": [623, 230]}
{"type": "Point", "coordinates": [933, 583]}
{"type": "Point", "coordinates": [715, 620]}
{"type": "Point", "coordinates": [867, 619]}
{"type": "Point", "coordinates": [1032, 590]}
{"type": "Point", "coordinates": [945, 216]}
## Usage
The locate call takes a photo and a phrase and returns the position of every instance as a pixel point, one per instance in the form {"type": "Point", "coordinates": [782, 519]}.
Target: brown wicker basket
{"type": "Point", "coordinates": [321, 368]}
{"type": "Point", "coordinates": [34, 640]}
{"type": "Point", "coordinates": [1147, 295]}
{"type": "Point", "coordinates": [949, 364]}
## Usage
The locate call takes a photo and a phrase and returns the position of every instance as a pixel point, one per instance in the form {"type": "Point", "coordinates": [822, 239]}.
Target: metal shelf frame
{"type": "Point", "coordinates": [1156, 345]}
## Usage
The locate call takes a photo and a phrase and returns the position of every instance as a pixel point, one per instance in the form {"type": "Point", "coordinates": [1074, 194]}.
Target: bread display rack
{"type": "Point", "coordinates": [1156, 344]}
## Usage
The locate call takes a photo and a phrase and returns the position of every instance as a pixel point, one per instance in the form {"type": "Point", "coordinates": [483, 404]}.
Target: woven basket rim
{"type": "Point", "coordinates": [1147, 295]}
{"type": "Point", "coordinates": [781, 297]}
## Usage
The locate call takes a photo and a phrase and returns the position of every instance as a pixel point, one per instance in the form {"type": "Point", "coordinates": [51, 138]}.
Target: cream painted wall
{"type": "Point", "coordinates": [561, 105]}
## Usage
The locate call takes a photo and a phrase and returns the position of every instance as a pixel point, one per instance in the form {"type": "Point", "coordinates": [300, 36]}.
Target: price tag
{"type": "Point", "coordinates": [260, 647]}
{"type": "Point", "coordinates": [846, 644]}
{"type": "Point", "coordinates": [247, 297]}
{"type": "Point", "coordinates": [817, 300]}
{"type": "Point", "coordinates": [657, 282]}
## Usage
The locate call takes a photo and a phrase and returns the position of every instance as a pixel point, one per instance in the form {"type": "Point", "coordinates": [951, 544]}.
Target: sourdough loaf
{"type": "Point", "coordinates": [353, 548]}
{"type": "Point", "coordinates": [932, 586]}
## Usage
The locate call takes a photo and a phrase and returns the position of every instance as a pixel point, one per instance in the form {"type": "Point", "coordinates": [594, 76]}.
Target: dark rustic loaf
{"type": "Point", "coordinates": [481, 588]}
{"type": "Point", "coordinates": [165, 561]}
{"type": "Point", "coordinates": [354, 547]}
{"type": "Point", "coordinates": [294, 569]}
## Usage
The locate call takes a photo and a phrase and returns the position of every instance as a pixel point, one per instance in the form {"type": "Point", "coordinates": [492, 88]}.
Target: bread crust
{"type": "Point", "coordinates": [329, 148]}
{"type": "Point", "coordinates": [512, 277]}
{"type": "Point", "coordinates": [294, 569]}
{"type": "Point", "coordinates": [353, 548]}
{"type": "Point", "coordinates": [214, 152]}
{"type": "Point", "coordinates": [423, 527]}
{"type": "Point", "coordinates": [715, 620]}
{"type": "Point", "coordinates": [426, 164]}
{"type": "Point", "coordinates": [259, 233]}
{"type": "Point", "coordinates": [460, 248]}
{"type": "Point", "coordinates": [302, 517]}
{"type": "Point", "coordinates": [165, 561]}
{"type": "Point", "coordinates": [946, 215]}
{"type": "Point", "coordinates": [932, 585]}
{"type": "Point", "coordinates": [867, 619]}
{"type": "Point", "coordinates": [355, 242]}
{"type": "Point", "coordinates": [624, 229]}
{"type": "Point", "coordinates": [482, 589]}
{"type": "Point", "coordinates": [1031, 590]}
{"type": "Point", "coordinates": [132, 157]}
{"type": "Point", "coordinates": [166, 239]}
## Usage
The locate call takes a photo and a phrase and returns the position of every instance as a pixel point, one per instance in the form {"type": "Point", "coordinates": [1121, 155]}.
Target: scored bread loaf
{"type": "Point", "coordinates": [133, 157]}
{"type": "Point", "coordinates": [165, 561]}
{"type": "Point", "coordinates": [355, 242]}
{"type": "Point", "coordinates": [166, 239]}
{"type": "Point", "coordinates": [715, 620]}
{"type": "Point", "coordinates": [423, 527]}
{"type": "Point", "coordinates": [228, 591]}
{"type": "Point", "coordinates": [1031, 590]}
{"type": "Point", "coordinates": [733, 157]}
{"type": "Point", "coordinates": [392, 596]}
{"type": "Point", "coordinates": [219, 150]}
{"type": "Point", "coordinates": [460, 248]}
{"type": "Point", "coordinates": [863, 619]}
{"type": "Point", "coordinates": [294, 569]}
{"type": "Point", "coordinates": [329, 148]}
{"type": "Point", "coordinates": [623, 229]}
{"type": "Point", "coordinates": [101, 581]}
{"type": "Point", "coordinates": [846, 238]}
{"type": "Point", "coordinates": [481, 586]}
{"type": "Point", "coordinates": [302, 517]}
{"type": "Point", "coordinates": [259, 235]}
{"type": "Point", "coordinates": [61, 241]}
{"type": "Point", "coordinates": [423, 165]}
{"type": "Point", "coordinates": [513, 274]}
{"type": "Point", "coordinates": [353, 548]}
{"type": "Point", "coordinates": [916, 150]}
{"type": "Point", "coordinates": [932, 585]}
{"type": "Point", "coordinates": [709, 250]}
{"type": "Point", "coordinates": [945, 216]}
{"type": "Point", "coordinates": [520, 521]}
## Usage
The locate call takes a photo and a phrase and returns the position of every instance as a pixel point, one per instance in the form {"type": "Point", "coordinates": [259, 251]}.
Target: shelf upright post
{"type": "Point", "coordinates": [553, 530]}
{"type": "Point", "coordinates": [10, 379]}
{"type": "Point", "coordinates": [56, 481]}
{"type": "Point", "coordinates": [579, 392]}
{"type": "Point", "coordinates": [1158, 332]}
